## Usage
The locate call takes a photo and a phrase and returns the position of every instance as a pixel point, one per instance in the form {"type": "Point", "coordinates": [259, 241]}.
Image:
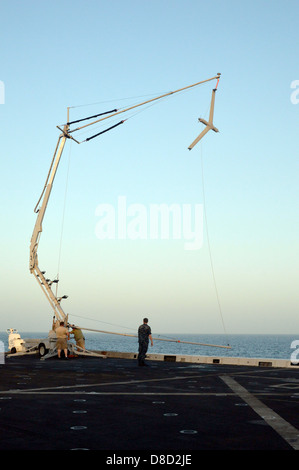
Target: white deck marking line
{"type": "Point", "coordinates": [288, 432]}
{"type": "Point", "coordinates": [83, 392]}
{"type": "Point", "coordinates": [102, 384]}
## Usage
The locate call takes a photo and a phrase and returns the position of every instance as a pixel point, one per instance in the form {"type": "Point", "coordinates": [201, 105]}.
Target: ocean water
{"type": "Point", "coordinates": [242, 345]}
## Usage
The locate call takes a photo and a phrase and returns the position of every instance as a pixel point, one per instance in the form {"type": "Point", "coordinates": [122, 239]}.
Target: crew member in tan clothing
{"type": "Point", "coordinates": [79, 337]}
{"type": "Point", "coordinates": [62, 335]}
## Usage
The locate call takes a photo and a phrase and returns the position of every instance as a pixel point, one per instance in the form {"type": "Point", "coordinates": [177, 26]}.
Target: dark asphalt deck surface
{"type": "Point", "coordinates": [114, 405]}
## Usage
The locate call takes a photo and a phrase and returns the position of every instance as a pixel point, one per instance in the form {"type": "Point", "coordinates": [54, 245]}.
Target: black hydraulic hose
{"type": "Point", "coordinates": [91, 117]}
{"type": "Point", "coordinates": [102, 132]}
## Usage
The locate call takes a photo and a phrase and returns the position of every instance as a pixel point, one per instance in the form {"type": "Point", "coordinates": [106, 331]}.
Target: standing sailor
{"type": "Point", "coordinates": [62, 335]}
{"type": "Point", "coordinates": [78, 335]}
{"type": "Point", "coordinates": [144, 334]}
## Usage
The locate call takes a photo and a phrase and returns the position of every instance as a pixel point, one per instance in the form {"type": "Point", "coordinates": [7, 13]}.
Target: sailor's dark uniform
{"type": "Point", "coordinates": [143, 333]}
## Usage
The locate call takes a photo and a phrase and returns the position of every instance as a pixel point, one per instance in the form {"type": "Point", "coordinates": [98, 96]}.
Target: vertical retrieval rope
{"type": "Point", "coordinates": [209, 246]}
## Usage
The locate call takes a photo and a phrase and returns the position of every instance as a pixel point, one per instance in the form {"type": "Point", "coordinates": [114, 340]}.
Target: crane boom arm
{"type": "Point", "coordinates": [34, 268]}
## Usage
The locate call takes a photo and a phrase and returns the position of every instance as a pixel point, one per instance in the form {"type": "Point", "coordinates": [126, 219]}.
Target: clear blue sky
{"type": "Point", "coordinates": [56, 54]}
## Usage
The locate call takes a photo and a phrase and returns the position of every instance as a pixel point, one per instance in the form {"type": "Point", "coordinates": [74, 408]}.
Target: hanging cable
{"type": "Point", "coordinates": [209, 247]}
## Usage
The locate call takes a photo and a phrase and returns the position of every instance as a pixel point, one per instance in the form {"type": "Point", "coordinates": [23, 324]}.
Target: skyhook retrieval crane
{"type": "Point", "coordinates": [67, 133]}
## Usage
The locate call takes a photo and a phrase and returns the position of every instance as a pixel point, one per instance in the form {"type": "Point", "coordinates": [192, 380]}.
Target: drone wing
{"type": "Point", "coordinates": [199, 137]}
